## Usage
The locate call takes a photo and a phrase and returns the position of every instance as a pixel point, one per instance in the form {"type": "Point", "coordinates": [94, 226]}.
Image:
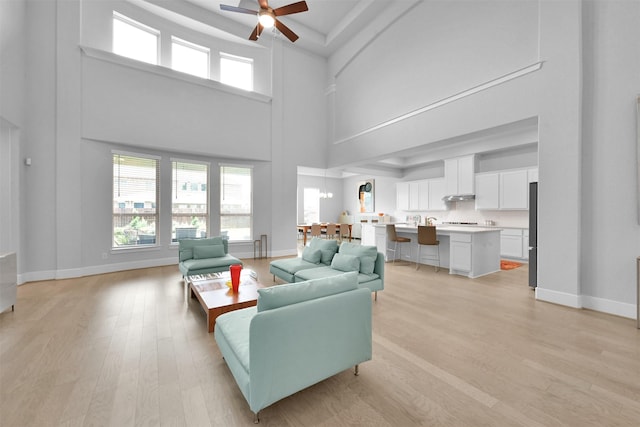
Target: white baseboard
{"type": "Point", "coordinates": [71, 273]}
{"type": "Point", "coordinates": [618, 308]}
{"type": "Point", "coordinates": [36, 276]}
{"type": "Point", "coordinates": [603, 305]}
{"type": "Point", "coordinates": [556, 297]}
{"type": "Point", "coordinates": [285, 252]}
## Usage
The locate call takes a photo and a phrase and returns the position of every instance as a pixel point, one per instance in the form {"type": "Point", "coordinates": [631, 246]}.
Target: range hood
{"type": "Point", "coordinates": [459, 197]}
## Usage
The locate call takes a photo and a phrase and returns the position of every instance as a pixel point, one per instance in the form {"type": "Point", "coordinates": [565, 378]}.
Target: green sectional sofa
{"type": "Point", "coordinates": [324, 258]}
{"type": "Point", "coordinates": [202, 256]}
{"type": "Point", "coordinates": [298, 335]}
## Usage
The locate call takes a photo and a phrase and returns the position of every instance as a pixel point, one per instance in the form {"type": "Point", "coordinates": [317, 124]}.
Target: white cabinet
{"type": "Point", "coordinates": [514, 189]}
{"type": "Point", "coordinates": [460, 253]}
{"type": "Point", "coordinates": [423, 195]}
{"type": "Point", "coordinates": [508, 190]}
{"type": "Point", "coordinates": [525, 244]}
{"type": "Point", "coordinates": [488, 191]}
{"type": "Point", "coordinates": [414, 195]}
{"type": "Point", "coordinates": [436, 194]}
{"type": "Point", "coordinates": [459, 175]}
{"type": "Point", "coordinates": [511, 244]}
{"type": "Point", "coordinates": [368, 234]}
{"type": "Point", "coordinates": [381, 241]}
{"type": "Point", "coordinates": [402, 196]}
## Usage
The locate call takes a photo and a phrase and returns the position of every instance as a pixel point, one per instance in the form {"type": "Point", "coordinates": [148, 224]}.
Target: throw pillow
{"type": "Point", "coordinates": [209, 251]}
{"type": "Point", "coordinates": [367, 255]}
{"type": "Point", "coordinates": [344, 262]}
{"type": "Point", "coordinates": [311, 255]}
{"type": "Point", "coordinates": [327, 247]}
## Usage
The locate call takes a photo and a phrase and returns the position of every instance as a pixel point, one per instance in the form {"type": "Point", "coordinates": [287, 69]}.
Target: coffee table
{"type": "Point", "coordinates": [217, 298]}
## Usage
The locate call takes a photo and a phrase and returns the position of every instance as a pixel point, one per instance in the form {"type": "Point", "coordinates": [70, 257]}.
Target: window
{"type": "Point", "coordinates": [189, 58]}
{"type": "Point", "coordinates": [135, 197]}
{"type": "Point", "coordinates": [236, 202]}
{"type": "Point", "coordinates": [135, 40]}
{"type": "Point", "coordinates": [311, 202]}
{"type": "Point", "coordinates": [189, 200]}
{"type": "Point", "coordinates": [236, 71]}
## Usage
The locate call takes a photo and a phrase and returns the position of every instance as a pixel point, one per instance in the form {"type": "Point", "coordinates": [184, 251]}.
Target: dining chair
{"type": "Point", "coordinates": [344, 231]}
{"type": "Point", "coordinates": [332, 231]}
{"type": "Point", "coordinates": [427, 237]}
{"type": "Point", "coordinates": [392, 236]}
{"type": "Point", "coordinates": [316, 230]}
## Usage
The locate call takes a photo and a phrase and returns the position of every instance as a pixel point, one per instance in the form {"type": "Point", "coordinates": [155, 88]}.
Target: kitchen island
{"type": "Point", "coordinates": [466, 250]}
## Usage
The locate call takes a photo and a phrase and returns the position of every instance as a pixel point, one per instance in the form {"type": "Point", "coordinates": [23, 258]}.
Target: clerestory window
{"type": "Point", "coordinates": [236, 71]}
{"type": "Point", "coordinates": [134, 39]}
{"type": "Point", "coordinates": [189, 58]}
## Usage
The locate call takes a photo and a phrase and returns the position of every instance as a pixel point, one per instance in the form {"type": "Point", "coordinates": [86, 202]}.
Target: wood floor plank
{"type": "Point", "coordinates": [131, 348]}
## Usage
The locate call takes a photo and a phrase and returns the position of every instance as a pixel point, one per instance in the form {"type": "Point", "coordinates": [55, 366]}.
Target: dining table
{"type": "Point", "coordinates": [304, 228]}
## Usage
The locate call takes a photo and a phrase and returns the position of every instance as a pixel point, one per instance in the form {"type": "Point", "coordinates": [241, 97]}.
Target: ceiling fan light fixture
{"type": "Point", "coordinates": [266, 18]}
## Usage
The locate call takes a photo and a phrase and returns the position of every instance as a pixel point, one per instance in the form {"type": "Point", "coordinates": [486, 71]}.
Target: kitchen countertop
{"type": "Point", "coordinates": [470, 229]}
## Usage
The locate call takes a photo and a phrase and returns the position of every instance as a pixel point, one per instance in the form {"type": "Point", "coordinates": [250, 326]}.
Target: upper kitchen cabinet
{"type": "Point", "coordinates": [508, 190]}
{"type": "Point", "coordinates": [402, 196]}
{"type": "Point", "coordinates": [459, 175]}
{"type": "Point", "coordinates": [437, 191]}
{"type": "Point", "coordinates": [423, 195]}
{"type": "Point", "coordinates": [514, 192]}
{"type": "Point", "coordinates": [488, 191]}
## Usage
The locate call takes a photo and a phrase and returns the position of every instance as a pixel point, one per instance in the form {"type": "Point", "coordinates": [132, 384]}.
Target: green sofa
{"type": "Point", "coordinates": [298, 335]}
{"type": "Point", "coordinates": [202, 256]}
{"type": "Point", "coordinates": [324, 258]}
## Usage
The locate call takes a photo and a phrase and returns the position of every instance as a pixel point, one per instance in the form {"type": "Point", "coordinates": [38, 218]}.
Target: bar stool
{"type": "Point", "coordinates": [393, 237]}
{"type": "Point", "coordinates": [427, 237]}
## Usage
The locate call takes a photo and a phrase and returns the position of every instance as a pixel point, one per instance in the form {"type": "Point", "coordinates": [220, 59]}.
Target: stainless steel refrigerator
{"type": "Point", "coordinates": [533, 234]}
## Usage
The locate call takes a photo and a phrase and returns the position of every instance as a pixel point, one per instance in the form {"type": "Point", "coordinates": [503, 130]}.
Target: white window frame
{"type": "Point", "coordinates": [184, 43]}
{"type": "Point", "coordinates": [157, 159]}
{"type": "Point", "coordinates": [132, 22]}
{"type": "Point", "coordinates": [240, 59]}
{"type": "Point", "coordinates": [208, 183]}
{"type": "Point", "coordinates": [222, 194]}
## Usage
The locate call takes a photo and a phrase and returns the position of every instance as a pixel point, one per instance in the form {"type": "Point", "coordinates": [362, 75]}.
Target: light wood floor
{"type": "Point", "coordinates": [130, 348]}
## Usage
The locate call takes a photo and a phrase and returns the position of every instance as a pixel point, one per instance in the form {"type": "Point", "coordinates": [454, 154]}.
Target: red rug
{"type": "Point", "coordinates": [509, 265]}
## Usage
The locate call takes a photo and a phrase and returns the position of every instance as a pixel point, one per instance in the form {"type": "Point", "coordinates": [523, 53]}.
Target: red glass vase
{"type": "Point", "coordinates": [235, 270]}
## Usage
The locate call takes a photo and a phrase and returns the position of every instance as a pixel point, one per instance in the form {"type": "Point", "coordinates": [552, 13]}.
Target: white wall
{"type": "Point", "coordinates": [583, 97]}
{"type": "Point", "coordinates": [12, 60]}
{"type": "Point", "coordinates": [579, 172]}
{"type": "Point", "coordinates": [81, 106]}
{"type": "Point", "coordinates": [610, 227]}
{"type": "Point", "coordinates": [13, 44]}
{"type": "Point", "coordinates": [135, 106]}
{"type": "Point", "coordinates": [450, 46]}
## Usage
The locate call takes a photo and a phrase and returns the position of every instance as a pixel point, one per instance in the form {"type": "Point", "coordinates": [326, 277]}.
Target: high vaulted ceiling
{"type": "Point", "coordinates": [323, 28]}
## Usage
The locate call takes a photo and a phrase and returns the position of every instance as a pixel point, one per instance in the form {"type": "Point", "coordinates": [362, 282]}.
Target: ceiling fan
{"type": "Point", "coordinates": [267, 17]}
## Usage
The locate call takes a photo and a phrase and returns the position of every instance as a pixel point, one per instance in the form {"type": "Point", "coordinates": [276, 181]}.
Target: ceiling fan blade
{"type": "Point", "coordinates": [263, 4]}
{"type": "Point", "coordinates": [298, 7]}
{"type": "Point", "coordinates": [256, 32]}
{"type": "Point", "coordinates": [238, 9]}
{"type": "Point", "coordinates": [286, 31]}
